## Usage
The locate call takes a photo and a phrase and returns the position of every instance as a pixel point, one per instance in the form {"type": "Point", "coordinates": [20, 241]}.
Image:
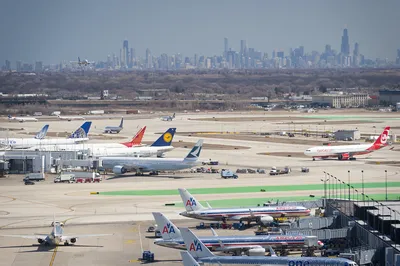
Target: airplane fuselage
{"type": "Point", "coordinates": [335, 151]}
{"type": "Point", "coordinates": [149, 164]}
{"type": "Point", "coordinates": [21, 143]}
{"type": "Point", "coordinates": [237, 214]}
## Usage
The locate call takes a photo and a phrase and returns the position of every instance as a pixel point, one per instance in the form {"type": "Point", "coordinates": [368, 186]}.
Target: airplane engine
{"type": "Point", "coordinates": [73, 240]}
{"type": "Point", "coordinates": [256, 252]}
{"type": "Point", "coordinates": [40, 241]}
{"type": "Point", "coordinates": [265, 220]}
{"type": "Point", "coordinates": [118, 169]}
{"type": "Point", "coordinates": [344, 156]}
{"type": "Point", "coordinates": [160, 155]}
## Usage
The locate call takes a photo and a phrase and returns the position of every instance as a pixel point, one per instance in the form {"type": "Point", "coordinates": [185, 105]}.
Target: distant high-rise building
{"type": "Point", "coordinates": [148, 58]}
{"type": "Point", "coordinates": [356, 55]}
{"type": "Point", "coordinates": [301, 51]}
{"type": "Point", "coordinates": [131, 58]}
{"type": "Point", "coordinates": [125, 53]}
{"type": "Point", "coordinates": [120, 58]}
{"type": "Point", "coordinates": [328, 49]}
{"type": "Point", "coordinates": [280, 54]}
{"type": "Point", "coordinates": [196, 60]}
{"type": "Point", "coordinates": [39, 66]}
{"type": "Point", "coordinates": [345, 48]}
{"type": "Point", "coordinates": [19, 66]}
{"type": "Point", "coordinates": [8, 65]}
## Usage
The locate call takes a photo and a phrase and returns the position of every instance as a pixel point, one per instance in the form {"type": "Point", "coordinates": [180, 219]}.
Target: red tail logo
{"type": "Point", "coordinates": [137, 139]}
{"type": "Point", "coordinates": [382, 139]}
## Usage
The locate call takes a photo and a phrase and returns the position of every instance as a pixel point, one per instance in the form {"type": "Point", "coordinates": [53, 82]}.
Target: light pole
{"type": "Point", "coordinates": [362, 183]}
{"type": "Point", "coordinates": [348, 173]}
{"type": "Point", "coordinates": [386, 185]}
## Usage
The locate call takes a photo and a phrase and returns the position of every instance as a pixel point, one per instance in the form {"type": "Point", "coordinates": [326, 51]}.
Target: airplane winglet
{"type": "Point", "coordinates": [213, 232]}
{"type": "Point", "coordinates": [208, 205]}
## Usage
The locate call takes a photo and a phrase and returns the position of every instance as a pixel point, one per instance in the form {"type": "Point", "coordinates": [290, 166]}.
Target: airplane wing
{"type": "Point", "coordinates": [65, 238]}
{"type": "Point", "coordinates": [38, 236]}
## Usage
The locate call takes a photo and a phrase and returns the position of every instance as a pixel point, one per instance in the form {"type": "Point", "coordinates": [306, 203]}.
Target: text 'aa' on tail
{"type": "Point", "coordinates": [195, 152]}
{"type": "Point", "coordinates": [190, 202]}
{"type": "Point", "coordinates": [167, 229]}
{"type": "Point", "coordinates": [193, 244]}
{"type": "Point", "coordinates": [82, 131]}
{"type": "Point", "coordinates": [165, 139]}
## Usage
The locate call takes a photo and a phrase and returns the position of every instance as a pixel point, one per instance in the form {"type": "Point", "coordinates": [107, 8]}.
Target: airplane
{"type": "Point", "coordinates": [111, 129]}
{"type": "Point", "coordinates": [84, 62]}
{"type": "Point", "coordinates": [159, 147]}
{"type": "Point", "coordinates": [262, 215]}
{"type": "Point", "coordinates": [70, 118]}
{"type": "Point", "coordinates": [120, 165]}
{"type": "Point", "coordinates": [56, 236]}
{"type": "Point", "coordinates": [168, 117]}
{"type": "Point", "coordinates": [22, 119]}
{"type": "Point", "coordinates": [347, 152]}
{"type": "Point", "coordinates": [42, 133]}
{"type": "Point", "coordinates": [172, 238]}
{"type": "Point", "coordinates": [199, 252]}
{"type": "Point", "coordinates": [80, 135]}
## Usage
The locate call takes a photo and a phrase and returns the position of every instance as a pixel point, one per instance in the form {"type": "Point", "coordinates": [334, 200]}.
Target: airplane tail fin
{"type": "Point", "coordinates": [121, 125]}
{"type": "Point", "coordinates": [195, 152]}
{"type": "Point", "coordinates": [82, 131]}
{"type": "Point", "coordinates": [173, 116]}
{"type": "Point", "coordinates": [167, 229]}
{"type": "Point", "coordinates": [9, 116]}
{"type": "Point", "coordinates": [137, 139]}
{"type": "Point", "coordinates": [272, 252]}
{"type": "Point", "coordinates": [193, 245]}
{"type": "Point", "coordinates": [165, 139]}
{"type": "Point", "coordinates": [42, 133]}
{"type": "Point", "coordinates": [188, 260]}
{"type": "Point", "coordinates": [191, 204]}
{"type": "Point", "coordinates": [382, 139]}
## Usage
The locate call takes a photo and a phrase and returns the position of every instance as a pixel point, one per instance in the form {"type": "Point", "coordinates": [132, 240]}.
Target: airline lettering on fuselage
{"type": "Point", "coordinates": [168, 229]}
{"type": "Point", "coordinates": [195, 246]}
{"type": "Point", "coordinates": [289, 237]}
{"type": "Point", "coordinates": [191, 202]}
{"type": "Point", "coordinates": [323, 150]}
{"type": "Point", "coordinates": [285, 208]}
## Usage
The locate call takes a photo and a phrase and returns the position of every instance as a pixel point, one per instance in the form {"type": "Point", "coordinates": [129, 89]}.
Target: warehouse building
{"type": "Point", "coordinates": [340, 100]}
{"type": "Point", "coordinates": [347, 135]}
{"type": "Point", "coordinates": [389, 97]}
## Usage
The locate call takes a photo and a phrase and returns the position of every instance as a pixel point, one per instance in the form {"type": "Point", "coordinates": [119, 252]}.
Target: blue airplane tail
{"type": "Point", "coordinates": [122, 123]}
{"type": "Point", "coordinates": [42, 133]}
{"type": "Point", "coordinates": [165, 139]}
{"type": "Point", "coordinates": [82, 131]}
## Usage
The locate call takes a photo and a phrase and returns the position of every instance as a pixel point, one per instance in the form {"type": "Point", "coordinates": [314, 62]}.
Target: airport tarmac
{"type": "Point", "coordinates": [30, 209]}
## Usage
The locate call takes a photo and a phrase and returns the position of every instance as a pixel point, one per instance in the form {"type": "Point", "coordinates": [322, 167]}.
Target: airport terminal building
{"type": "Point", "coordinates": [391, 97]}
{"type": "Point", "coordinates": [341, 100]}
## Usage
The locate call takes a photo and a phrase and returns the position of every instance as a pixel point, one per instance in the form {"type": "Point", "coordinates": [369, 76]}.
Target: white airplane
{"type": "Point", "coordinates": [84, 62]}
{"type": "Point", "coordinates": [262, 215]}
{"type": "Point", "coordinates": [22, 119]}
{"type": "Point", "coordinates": [80, 135]}
{"type": "Point", "coordinates": [159, 147]}
{"type": "Point", "coordinates": [121, 165]}
{"type": "Point", "coordinates": [56, 236]}
{"type": "Point", "coordinates": [70, 118]}
{"type": "Point", "coordinates": [197, 252]}
{"type": "Point", "coordinates": [347, 152]}
{"type": "Point", "coordinates": [168, 117]}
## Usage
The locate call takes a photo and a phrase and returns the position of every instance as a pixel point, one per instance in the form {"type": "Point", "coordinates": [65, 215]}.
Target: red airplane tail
{"type": "Point", "coordinates": [381, 141]}
{"type": "Point", "coordinates": [137, 139]}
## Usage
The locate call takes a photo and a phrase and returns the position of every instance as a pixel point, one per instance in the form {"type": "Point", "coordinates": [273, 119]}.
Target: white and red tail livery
{"type": "Point", "coordinates": [347, 152]}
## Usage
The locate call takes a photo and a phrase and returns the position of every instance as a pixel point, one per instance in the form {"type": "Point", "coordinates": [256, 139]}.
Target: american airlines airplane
{"type": "Point", "coordinates": [159, 147]}
{"type": "Point", "coordinates": [22, 118]}
{"type": "Point", "coordinates": [347, 152]}
{"type": "Point", "coordinates": [120, 165]}
{"type": "Point", "coordinates": [56, 236]}
{"type": "Point", "coordinates": [251, 244]}
{"type": "Point", "coordinates": [80, 135]}
{"type": "Point", "coordinates": [200, 254]}
{"type": "Point", "coordinates": [263, 215]}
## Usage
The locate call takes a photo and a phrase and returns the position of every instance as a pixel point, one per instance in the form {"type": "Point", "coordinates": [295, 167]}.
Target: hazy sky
{"type": "Point", "coordinates": [55, 30]}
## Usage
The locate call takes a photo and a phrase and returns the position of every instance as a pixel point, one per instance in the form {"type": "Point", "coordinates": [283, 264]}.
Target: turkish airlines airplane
{"type": "Point", "coordinates": [347, 152]}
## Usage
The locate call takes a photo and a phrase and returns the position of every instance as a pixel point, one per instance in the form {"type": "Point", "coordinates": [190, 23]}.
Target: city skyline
{"type": "Point", "coordinates": [53, 32]}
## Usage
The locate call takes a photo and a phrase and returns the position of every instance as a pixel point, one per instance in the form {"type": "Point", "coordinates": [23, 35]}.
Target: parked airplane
{"type": "Point", "coordinates": [121, 165]}
{"type": "Point", "coordinates": [347, 152]}
{"type": "Point", "coordinates": [84, 62]}
{"type": "Point", "coordinates": [42, 133]}
{"type": "Point", "coordinates": [168, 117]}
{"type": "Point", "coordinates": [263, 215]}
{"type": "Point", "coordinates": [56, 236]}
{"type": "Point", "coordinates": [80, 135]}
{"type": "Point", "coordinates": [159, 147]}
{"type": "Point", "coordinates": [203, 255]}
{"type": "Point", "coordinates": [172, 238]}
{"type": "Point", "coordinates": [22, 118]}
{"type": "Point", "coordinates": [116, 130]}
{"type": "Point", "coordinates": [70, 118]}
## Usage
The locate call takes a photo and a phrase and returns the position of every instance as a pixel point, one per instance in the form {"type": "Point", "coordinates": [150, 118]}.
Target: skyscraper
{"type": "Point", "coordinates": [345, 48]}
{"type": "Point", "coordinates": [356, 55]}
{"type": "Point", "coordinates": [148, 58]}
{"type": "Point", "coordinates": [125, 53]}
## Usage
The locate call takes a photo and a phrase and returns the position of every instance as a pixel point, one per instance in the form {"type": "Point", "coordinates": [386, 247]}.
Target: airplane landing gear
{"type": "Point", "coordinates": [66, 243]}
